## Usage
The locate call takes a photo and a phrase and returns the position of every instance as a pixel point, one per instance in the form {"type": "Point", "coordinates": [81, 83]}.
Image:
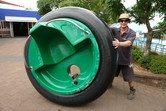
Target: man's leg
{"type": "Point", "coordinates": [131, 84]}
{"type": "Point", "coordinates": [128, 76]}
{"type": "Point", "coordinates": [131, 95]}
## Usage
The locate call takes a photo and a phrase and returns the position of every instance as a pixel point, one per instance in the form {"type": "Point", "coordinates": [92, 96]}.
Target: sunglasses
{"type": "Point", "coordinates": [120, 20]}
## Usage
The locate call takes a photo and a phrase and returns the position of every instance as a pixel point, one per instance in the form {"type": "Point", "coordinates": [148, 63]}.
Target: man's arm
{"type": "Point", "coordinates": [116, 43]}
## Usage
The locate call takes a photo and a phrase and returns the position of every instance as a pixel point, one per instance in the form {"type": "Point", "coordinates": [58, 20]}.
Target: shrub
{"type": "Point", "coordinates": [154, 62]}
{"type": "Point", "coordinates": [158, 64]}
{"type": "Point", "coordinates": [153, 53]}
{"type": "Point", "coordinates": [145, 61]}
{"type": "Point", "coordinates": [137, 54]}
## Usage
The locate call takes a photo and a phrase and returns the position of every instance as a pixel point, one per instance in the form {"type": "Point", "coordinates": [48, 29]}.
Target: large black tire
{"type": "Point", "coordinates": [108, 57]}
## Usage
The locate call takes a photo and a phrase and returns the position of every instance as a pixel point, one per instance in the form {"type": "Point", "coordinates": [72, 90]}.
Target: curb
{"type": "Point", "coordinates": [156, 80]}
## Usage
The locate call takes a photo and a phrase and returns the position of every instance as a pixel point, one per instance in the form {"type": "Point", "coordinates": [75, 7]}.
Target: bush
{"type": "Point", "coordinates": [145, 61]}
{"type": "Point", "coordinates": [137, 54]}
{"type": "Point", "coordinates": [153, 53]}
{"type": "Point", "coordinates": [158, 64]}
{"type": "Point", "coordinates": [154, 62]}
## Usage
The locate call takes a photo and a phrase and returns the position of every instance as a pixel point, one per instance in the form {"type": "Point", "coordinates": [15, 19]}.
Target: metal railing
{"type": "Point", "coordinates": [157, 45]}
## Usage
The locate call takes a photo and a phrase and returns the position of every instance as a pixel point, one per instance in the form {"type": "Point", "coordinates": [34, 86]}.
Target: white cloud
{"type": "Point", "coordinates": [137, 27]}
{"type": "Point", "coordinates": [128, 3]}
{"type": "Point", "coordinates": [25, 3]}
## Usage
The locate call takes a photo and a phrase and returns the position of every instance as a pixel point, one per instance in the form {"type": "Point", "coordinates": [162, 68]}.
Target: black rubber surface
{"type": "Point", "coordinates": [108, 57]}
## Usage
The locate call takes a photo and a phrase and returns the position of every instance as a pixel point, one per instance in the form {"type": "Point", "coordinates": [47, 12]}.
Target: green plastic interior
{"type": "Point", "coordinates": [56, 46]}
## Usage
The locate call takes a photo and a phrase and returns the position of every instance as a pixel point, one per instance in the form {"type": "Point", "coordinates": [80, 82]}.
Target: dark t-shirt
{"type": "Point", "coordinates": [125, 53]}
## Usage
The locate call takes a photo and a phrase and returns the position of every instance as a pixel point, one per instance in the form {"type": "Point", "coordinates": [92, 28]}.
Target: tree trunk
{"type": "Point", "coordinates": [150, 32]}
{"type": "Point", "coordinates": [148, 43]}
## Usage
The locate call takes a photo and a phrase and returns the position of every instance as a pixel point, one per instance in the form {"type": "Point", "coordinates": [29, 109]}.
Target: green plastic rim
{"type": "Point", "coordinates": [63, 58]}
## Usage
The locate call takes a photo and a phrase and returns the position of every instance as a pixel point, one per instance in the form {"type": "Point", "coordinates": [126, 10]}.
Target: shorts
{"type": "Point", "coordinates": [127, 72]}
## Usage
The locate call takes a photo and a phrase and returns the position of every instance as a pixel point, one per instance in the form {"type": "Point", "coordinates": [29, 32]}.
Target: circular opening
{"type": "Point", "coordinates": [74, 71]}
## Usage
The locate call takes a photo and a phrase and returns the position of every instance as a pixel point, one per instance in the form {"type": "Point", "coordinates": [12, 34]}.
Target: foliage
{"type": "Point", "coordinates": [103, 8]}
{"type": "Point", "coordinates": [157, 35]}
{"type": "Point", "coordinates": [137, 54]}
{"type": "Point", "coordinates": [100, 7]}
{"type": "Point", "coordinates": [153, 53]}
{"type": "Point", "coordinates": [145, 61]}
{"type": "Point", "coordinates": [145, 10]}
{"type": "Point", "coordinates": [46, 6]}
{"type": "Point", "coordinates": [154, 62]}
{"type": "Point", "coordinates": [158, 64]}
{"type": "Point", "coordinates": [71, 3]}
{"type": "Point", "coordinates": [114, 7]}
{"type": "Point", "coordinates": [160, 26]}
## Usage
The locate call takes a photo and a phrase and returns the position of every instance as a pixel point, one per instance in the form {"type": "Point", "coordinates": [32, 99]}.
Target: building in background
{"type": "Point", "coordinates": [16, 20]}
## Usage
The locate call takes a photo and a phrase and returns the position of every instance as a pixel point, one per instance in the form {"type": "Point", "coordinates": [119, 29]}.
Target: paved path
{"type": "Point", "coordinates": [17, 93]}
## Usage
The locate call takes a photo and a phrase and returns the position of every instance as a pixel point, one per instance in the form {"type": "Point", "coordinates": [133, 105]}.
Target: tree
{"type": "Point", "coordinates": [114, 7]}
{"type": "Point", "coordinates": [46, 6]}
{"type": "Point", "coordinates": [158, 28]}
{"type": "Point", "coordinates": [97, 6]}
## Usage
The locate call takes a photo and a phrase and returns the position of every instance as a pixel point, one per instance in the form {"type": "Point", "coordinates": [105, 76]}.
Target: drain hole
{"type": "Point", "coordinates": [75, 82]}
{"type": "Point", "coordinates": [74, 71]}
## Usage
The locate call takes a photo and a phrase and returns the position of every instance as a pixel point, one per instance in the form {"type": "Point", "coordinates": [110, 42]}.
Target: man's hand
{"type": "Point", "coordinates": [116, 43]}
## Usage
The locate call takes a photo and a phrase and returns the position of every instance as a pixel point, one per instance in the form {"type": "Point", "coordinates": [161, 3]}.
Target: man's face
{"type": "Point", "coordinates": [124, 22]}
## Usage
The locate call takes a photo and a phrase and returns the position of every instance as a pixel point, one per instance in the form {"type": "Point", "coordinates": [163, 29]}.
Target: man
{"type": "Point", "coordinates": [124, 38]}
